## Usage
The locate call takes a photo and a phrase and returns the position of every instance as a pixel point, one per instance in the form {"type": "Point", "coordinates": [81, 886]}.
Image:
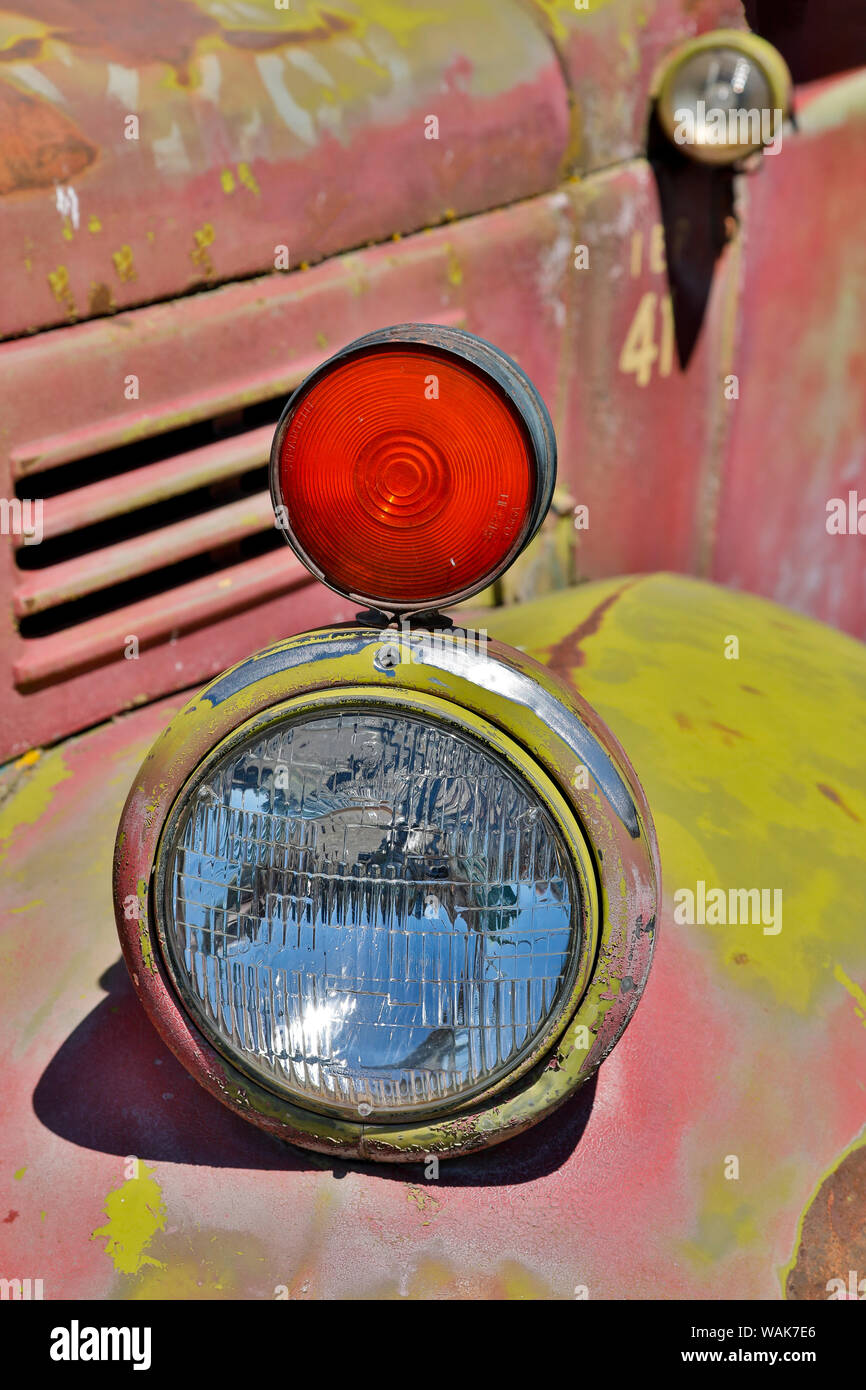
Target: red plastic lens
{"type": "Point", "coordinates": [407, 476]}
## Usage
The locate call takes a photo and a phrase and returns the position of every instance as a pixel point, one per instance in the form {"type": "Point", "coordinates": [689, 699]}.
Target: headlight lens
{"type": "Point", "coordinates": [723, 96]}
{"type": "Point", "coordinates": [370, 911]}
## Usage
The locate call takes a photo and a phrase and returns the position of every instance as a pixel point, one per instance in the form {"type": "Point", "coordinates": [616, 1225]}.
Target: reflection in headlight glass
{"type": "Point", "coordinates": [722, 80]}
{"type": "Point", "coordinates": [371, 909]}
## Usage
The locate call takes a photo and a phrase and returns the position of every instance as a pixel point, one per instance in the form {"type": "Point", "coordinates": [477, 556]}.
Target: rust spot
{"type": "Point", "coordinates": [752, 690]}
{"type": "Point", "coordinates": [101, 300]}
{"type": "Point", "coordinates": [740, 958]}
{"type": "Point", "coordinates": [728, 734]}
{"type": "Point", "coordinates": [39, 146]}
{"type": "Point", "coordinates": [832, 795]}
{"type": "Point", "coordinates": [567, 654]}
{"type": "Point", "coordinates": [683, 720]}
{"type": "Point", "coordinates": [833, 1235]}
{"type": "Point", "coordinates": [7, 1220]}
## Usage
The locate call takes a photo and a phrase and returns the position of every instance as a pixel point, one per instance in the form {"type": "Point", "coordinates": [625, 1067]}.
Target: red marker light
{"type": "Point", "coordinates": [413, 467]}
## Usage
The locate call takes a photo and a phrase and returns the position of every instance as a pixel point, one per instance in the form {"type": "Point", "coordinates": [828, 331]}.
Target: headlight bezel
{"type": "Point", "coordinates": [535, 712]}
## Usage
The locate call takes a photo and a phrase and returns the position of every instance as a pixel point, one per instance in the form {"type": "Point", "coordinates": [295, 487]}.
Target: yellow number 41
{"type": "Point", "coordinates": [639, 351]}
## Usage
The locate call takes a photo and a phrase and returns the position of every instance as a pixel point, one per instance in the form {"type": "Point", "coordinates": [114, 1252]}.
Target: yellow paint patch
{"type": "Point", "coordinates": [732, 755]}
{"type": "Point", "coordinates": [31, 796]}
{"type": "Point", "coordinates": [200, 255]}
{"type": "Point", "coordinates": [455, 269]}
{"type": "Point", "coordinates": [93, 224]}
{"type": "Point", "coordinates": [58, 282]}
{"type": "Point", "coordinates": [731, 1212]}
{"type": "Point", "coordinates": [25, 907]}
{"type": "Point", "coordinates": [227, 179]}
{"type": "Point", "coordinates": [248, 179]}
{"type": "Point", "coordinates": [518, 1283]}
{"type": "Point", "coordinates": [124, 263]}
{"type": "Point", "coordinates": [856, 993]}
{"type": "Point", "coordinates": [19, 1174]}
{"type": "Point", "coordinates": [394, 16]}
{"type": "Point", "coordinates": [143, 930]}
{"type": "Point", "coordinates": [29, 758]}
{"type": "Point", "coordinates": [427, 1202]}
{"type": "Point", "coordinates": [135, 1211]}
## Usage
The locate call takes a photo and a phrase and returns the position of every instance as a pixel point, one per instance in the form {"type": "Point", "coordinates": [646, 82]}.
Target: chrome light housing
{"type": "Point", "coordinates": [388, 895]}
{"type": "Point", "coordinates": [723, 96]}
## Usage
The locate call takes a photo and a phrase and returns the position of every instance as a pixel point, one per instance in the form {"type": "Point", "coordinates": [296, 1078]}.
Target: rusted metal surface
{"type": "Point", "coordinates": [795, 434]}
{"type": "Point", "coordinates": [740, 1034]}
{"type": "Point", "coordinates": [833, 1235]}
{"type": "Point", "coordinates": [142, 160]}
{"type": "Point", "coordinates": [637, 430]}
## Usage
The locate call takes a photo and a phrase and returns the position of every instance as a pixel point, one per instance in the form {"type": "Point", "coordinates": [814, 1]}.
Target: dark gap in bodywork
{"type": "Point", "coordinates": [816, 40]}
{"type": "Point", "coordinates": [143, 521]}
{"type": "Point", "coordinates": [697, 206]}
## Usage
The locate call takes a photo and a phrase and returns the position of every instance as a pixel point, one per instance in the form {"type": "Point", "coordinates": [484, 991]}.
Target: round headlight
{"type": "Point", "coordinates": [369, 911]}
{"type": "Point", "coordinates": [723, 96]}
{"type": "Point", "coordinates": [388, 895]}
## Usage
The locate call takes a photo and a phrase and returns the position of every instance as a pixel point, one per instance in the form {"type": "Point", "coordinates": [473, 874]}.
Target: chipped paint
{"type": "Point", "coordinates": [124, 263]}
{"type": "Point", "coordinates": [144, 940]}
{"type": "Point", "coordinates": [58, 281]}
{"type": "Point", "coordinates": [427, 1202]}
{"type": "Point", "coordinates": [284, 94]}
{"type": "Point", "coordinates": [203, 238]}
{"type": "Point", "coordinates": [248, 179]}
{"type": "Point", "coordinates": [135, 1211]}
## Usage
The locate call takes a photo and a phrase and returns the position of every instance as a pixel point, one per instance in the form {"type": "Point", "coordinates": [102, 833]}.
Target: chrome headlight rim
{"type": "Point", "coordinates": [554, 727]}
{"type": "Point", "coordinates": [751, 46]}
{"type": "Point", "coordinates": [435, 710]}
